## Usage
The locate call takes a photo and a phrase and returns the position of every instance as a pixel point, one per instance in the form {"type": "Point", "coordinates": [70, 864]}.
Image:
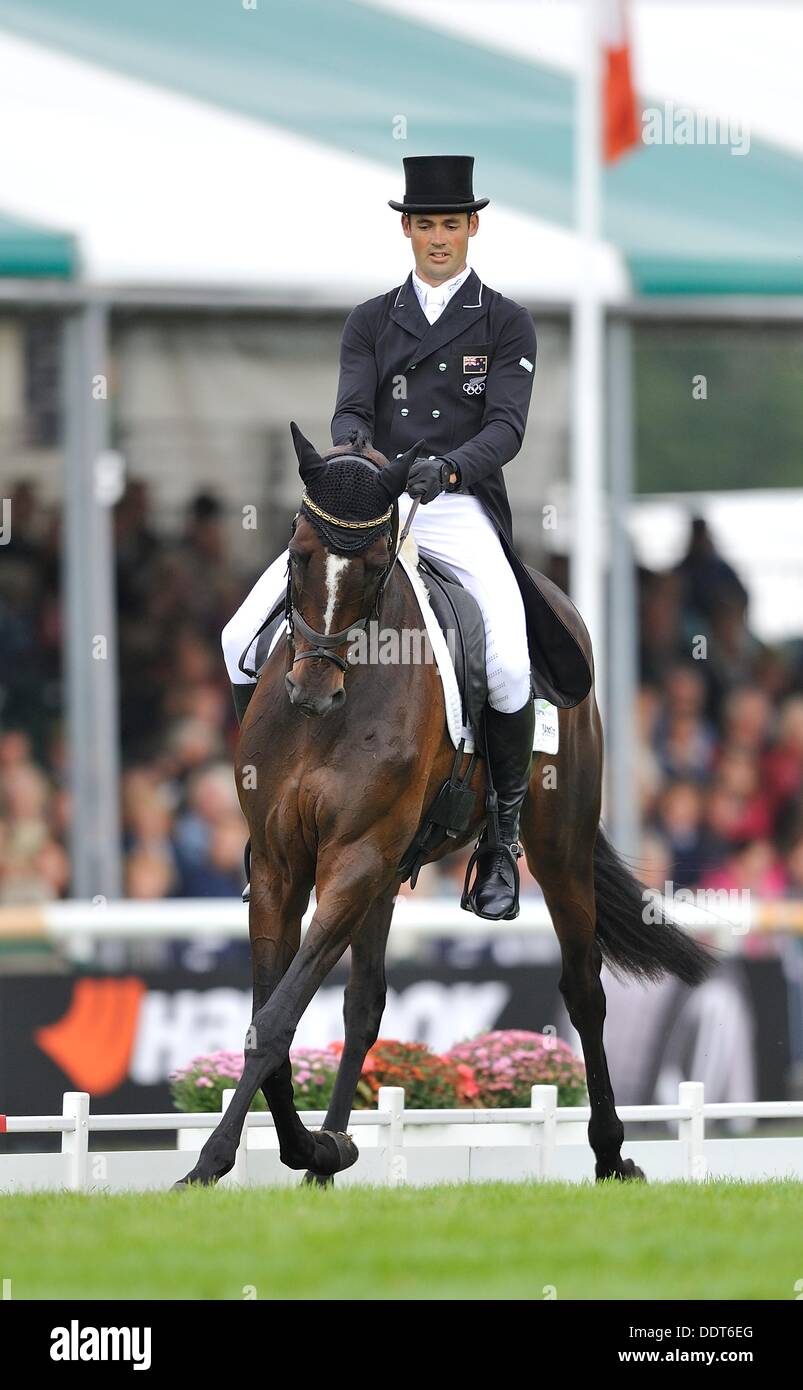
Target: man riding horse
{"type": "Point", "coordinates": [438, 372]}
{"type": "Point", "coordinates": [445, 359]}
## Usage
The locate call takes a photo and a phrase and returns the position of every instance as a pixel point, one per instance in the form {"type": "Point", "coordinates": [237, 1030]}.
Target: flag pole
{"type": "Point", "coordinates": [586, 570]}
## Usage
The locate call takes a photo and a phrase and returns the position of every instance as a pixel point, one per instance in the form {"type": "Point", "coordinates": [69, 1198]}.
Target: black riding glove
{"type": "Point", "coordinates": [429, 477]}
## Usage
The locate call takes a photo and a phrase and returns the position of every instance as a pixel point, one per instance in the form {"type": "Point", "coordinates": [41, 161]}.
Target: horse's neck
{"type": "Point", "coordinates": [393, 608]}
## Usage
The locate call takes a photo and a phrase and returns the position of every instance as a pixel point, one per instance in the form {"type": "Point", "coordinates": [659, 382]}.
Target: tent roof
{"type": "Point", "coordinates": [161, 188]}
{"type": "Point", "coordinates": [370, 83]}
{"type": "Point", "coordinates": [27, 250]}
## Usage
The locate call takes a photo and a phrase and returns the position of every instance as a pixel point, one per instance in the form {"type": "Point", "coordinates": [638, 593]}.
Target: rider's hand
{"type": "Point", "coordinates": [429, 477]}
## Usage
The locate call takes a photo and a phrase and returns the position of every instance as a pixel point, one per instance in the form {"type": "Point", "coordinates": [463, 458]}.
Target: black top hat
{"type": "Point", "coordinates": [439, 183]}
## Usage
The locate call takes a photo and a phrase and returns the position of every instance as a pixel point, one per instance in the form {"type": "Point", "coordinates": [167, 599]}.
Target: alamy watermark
{"type": "Point", "coordinates": [731, 905]}
{"type": "Point", "coordinates": [389, 646]}
{"type": "Point", "coordinates": [77, 1343]}
{"type": "Point", "coordinates": [682, 125]}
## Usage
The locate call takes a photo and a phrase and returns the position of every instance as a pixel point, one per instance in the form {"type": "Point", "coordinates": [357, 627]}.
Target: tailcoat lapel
{"type": "Point", "coordinates": [464, 310]}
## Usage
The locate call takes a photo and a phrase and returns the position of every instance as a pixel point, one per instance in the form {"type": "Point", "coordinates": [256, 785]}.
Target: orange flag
{"type": "Point", "coordinates": [620, 118]}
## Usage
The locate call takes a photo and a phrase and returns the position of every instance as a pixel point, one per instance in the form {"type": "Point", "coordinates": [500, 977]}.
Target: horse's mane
{"type": "Point", "coordinates": [358, 442]}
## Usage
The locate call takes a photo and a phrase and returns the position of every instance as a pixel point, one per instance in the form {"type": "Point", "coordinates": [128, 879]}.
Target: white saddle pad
{"type": "Point", "coordinates": [546, 737]}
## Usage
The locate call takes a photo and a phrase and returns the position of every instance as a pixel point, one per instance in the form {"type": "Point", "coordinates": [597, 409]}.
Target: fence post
{"type": "Point", "coordinates": [239, 1173]}
{"type": "Point", "coordinates": [391, 1102]}
{"type": "Point", "coordinates": [75, 1142]}
{"type": "Point", "coordinates": [691, 1097]}
{"type": "Point", "coordinates": [545, 1131]}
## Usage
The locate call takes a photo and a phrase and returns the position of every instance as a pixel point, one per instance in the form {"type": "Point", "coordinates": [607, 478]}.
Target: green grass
{"type": "Point", "coordinates": [488, 1241]}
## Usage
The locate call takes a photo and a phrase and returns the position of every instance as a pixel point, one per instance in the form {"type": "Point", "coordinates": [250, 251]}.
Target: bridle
{"type": "Point", "coordinates": [326, 642]}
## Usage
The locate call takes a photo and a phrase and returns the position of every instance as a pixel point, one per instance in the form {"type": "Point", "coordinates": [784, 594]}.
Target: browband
{"type": "Point", "coordinates": [307, 501]}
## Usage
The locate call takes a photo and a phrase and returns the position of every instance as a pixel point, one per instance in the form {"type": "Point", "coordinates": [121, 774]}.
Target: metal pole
{"type": "Point", "coordinates": [623, 611]}
{"type": "Point", "coordinates": [90, 628]}
{"type": "Point", "coordinates": [586, 568]}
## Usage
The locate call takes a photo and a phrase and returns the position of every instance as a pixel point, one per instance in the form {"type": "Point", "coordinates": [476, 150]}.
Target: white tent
{"type": "Point", "coordinates": [163, 189]}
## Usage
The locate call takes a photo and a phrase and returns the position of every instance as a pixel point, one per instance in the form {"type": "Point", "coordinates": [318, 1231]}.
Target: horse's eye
{"type": "Point", "coordinates": [379, 561]}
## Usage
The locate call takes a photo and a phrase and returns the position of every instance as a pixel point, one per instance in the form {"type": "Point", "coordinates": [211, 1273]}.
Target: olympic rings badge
{"type": "Point", "coordinates": [475, 387]}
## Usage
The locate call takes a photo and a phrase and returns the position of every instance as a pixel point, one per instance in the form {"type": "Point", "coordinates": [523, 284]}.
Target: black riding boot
{"type": "Point", "coordinates": [242, 698]}
{"type": "Point", "coordinates": [510, 749]}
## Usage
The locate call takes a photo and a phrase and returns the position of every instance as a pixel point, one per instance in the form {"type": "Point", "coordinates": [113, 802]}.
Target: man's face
{"type": "Point", "coordinates": [440, 242]}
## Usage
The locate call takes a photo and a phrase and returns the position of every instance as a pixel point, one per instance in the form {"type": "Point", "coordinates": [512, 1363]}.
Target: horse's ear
{"type": "Point", "coordinates": [310, 463]}
{"type": "Point", "coordinates": [393, 477]}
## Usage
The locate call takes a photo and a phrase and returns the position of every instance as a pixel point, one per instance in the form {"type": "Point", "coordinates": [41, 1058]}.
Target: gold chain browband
{"type": "Point", "coordinates": [336, 520]}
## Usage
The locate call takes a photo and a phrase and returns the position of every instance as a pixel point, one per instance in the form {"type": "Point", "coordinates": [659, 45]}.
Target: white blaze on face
{"type": "Point", "coordinates": [335, 565]}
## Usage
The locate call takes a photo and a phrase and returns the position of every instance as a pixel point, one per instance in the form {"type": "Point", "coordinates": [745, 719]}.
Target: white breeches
{"type": "Point", "coordinates": [453, 528]}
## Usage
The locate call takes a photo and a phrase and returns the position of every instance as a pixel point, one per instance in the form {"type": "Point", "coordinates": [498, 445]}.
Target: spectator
{"type": "Point", "coordinates": [684, 739]}
{"type": "Point", "coordinates": [782, 765]}
{"type": "Point", "coordinates": [753, 866]}
{"type": "Point", "coordinates": [679, 820]}
{"type": "Point", "coordinates": [210, 836]}
{"type": "Point", "coordinates": [747, 719]}
{"type": "Point", "coordinates": [706, 578]}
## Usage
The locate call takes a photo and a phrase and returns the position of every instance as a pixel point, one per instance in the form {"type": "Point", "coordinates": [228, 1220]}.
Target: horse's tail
{"type": "Point", "coordinates": [634, 932]}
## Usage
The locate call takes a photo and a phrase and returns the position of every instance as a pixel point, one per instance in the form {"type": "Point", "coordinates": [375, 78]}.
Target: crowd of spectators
{"type": "Point", "coordinates": [721, 734]}
{"type": "Point", "coordinates": [720, 751]}
{"type": "Point", "coordinates": [183, 832]}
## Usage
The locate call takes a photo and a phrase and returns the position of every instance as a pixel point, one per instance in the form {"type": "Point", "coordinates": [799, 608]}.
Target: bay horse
{"type": "Point", "coordinates": [335, 767]}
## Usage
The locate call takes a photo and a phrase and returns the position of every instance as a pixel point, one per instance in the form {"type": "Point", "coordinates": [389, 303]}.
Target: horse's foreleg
{"type": "Point", "coordinates": [339, 913]}
{"type": "Point", "coordinates": [363, 1006]}
{"type": "Point", "coordinates": [275, 928]}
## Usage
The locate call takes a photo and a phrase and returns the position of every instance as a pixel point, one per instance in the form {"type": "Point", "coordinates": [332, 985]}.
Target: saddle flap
{"type": "Point", "coordinates": [458, 612]}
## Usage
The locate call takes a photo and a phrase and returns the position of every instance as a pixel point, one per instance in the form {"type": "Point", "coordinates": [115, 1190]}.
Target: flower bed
{"type": "Point", "coordinates": [506, 1064]}
{"type": "Point", "coordinates": [430, 1082]}
{"type": "Point", "coordinates": [495, 1069]}
{"type": "Point", "coordinates": [200, 1085]}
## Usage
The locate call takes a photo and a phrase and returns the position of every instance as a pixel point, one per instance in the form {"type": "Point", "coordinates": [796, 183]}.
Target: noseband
{"type": "Point", "coordinates": [326, 642]}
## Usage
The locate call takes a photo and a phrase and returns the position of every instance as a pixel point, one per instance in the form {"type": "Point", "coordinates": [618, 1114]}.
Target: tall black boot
{"type": "Point", "coordinates": [242, 698]}
{"type": "Point", "coordinates": [509, 739]}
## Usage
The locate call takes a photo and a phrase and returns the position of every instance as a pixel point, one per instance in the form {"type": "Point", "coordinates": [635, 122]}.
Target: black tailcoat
{"type": "Point", "coordinates": [463, 385]}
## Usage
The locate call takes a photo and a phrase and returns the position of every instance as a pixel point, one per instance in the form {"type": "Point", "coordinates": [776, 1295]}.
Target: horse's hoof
{"type": "Point", "coordinates": [311, 1179]}
{"type": "Point", "coordinates": [625, 1171]}
{"type": "Point", "coordinates": [346, 1152]}
{"type": "Point", "coordinates": [193, 1179]}
{"type": "Point", "coordinates": [215, 1160]}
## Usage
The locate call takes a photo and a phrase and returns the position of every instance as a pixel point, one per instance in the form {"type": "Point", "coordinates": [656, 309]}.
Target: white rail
{"type": "Point", "coordinates": [728, 922]}
{"type": "Point", "coordinates": [419, 1147]}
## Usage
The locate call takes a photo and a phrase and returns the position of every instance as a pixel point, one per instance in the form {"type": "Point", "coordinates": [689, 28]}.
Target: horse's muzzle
{"type": "Point", "coordinates": [313, 706]}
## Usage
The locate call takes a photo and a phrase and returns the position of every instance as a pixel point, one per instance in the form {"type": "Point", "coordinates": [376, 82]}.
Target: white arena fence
{"type": "Point", "coordinates": [416, 1147]}
{"type": "Point", "coordinates": [76, 926]}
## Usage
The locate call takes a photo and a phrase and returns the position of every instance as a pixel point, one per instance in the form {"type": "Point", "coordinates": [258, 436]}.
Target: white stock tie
{"type": "Point", "coordinates": [434, 305]}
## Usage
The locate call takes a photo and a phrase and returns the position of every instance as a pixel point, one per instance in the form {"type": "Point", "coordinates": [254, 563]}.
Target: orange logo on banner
{"type": "Point", "coordinates": [92, 1043]}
